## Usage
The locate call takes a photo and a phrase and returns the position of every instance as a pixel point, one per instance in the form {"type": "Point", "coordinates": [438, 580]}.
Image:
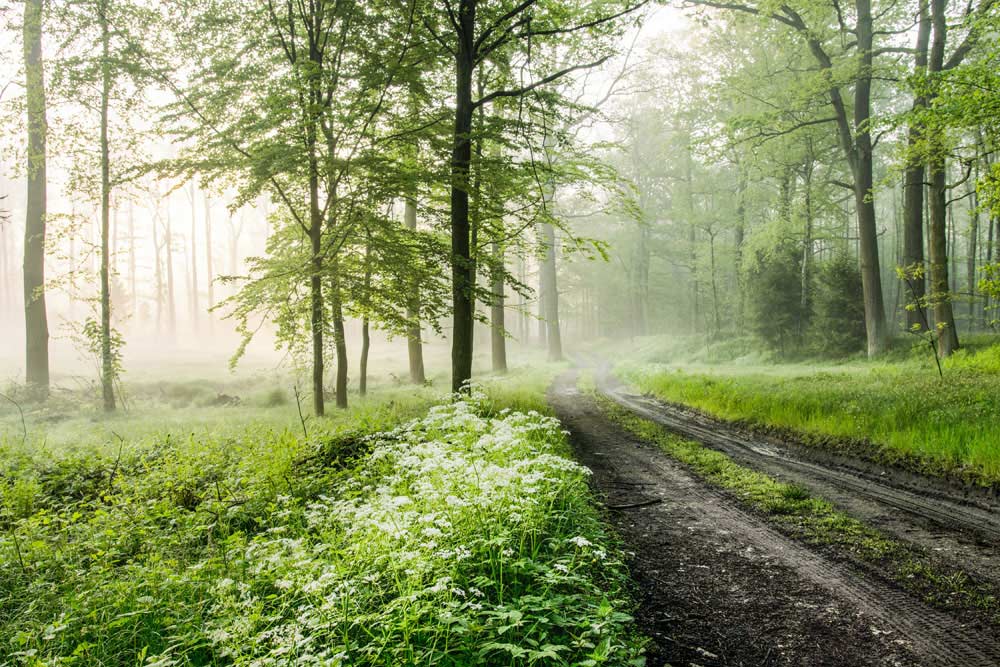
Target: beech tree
{"type": "Point", "coordinates": [473, 33]}
{"type": "Point", "coordinates": [36, 328]}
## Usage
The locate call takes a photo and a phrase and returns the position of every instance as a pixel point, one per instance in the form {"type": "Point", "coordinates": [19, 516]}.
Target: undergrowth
{"type": "Point", "coordinates": [896, 412]}
{"type": "Point", "coordinates": [460, 537]}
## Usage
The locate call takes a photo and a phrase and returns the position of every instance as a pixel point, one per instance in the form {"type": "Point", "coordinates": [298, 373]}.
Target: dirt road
{"type": "Point", "coordinates": [719, 586]}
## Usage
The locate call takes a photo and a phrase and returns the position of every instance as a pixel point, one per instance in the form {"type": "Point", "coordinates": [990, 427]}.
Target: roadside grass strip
{"type": "Point", "coordinates": [462, 537]}
{"type": "Point", "coordinates": [896, 414]}
{"type": "Point", "coordinates": [793, 510]}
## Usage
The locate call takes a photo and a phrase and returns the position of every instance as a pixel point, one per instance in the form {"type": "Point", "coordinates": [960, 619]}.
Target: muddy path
{"type": "Point", "coordinates": [719, 586]}
{"type": "Point", "coordinates": [959, 526]}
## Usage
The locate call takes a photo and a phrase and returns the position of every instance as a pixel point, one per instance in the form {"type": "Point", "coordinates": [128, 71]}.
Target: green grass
{"type": "Point", "coordinates": [896, 411]}
{"type": "Point", "coordinates": [406, 531]}
{"type": "Point", "coordinates": [796, 512]}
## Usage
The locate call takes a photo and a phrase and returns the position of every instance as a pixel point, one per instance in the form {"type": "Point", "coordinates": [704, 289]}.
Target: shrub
{"type": "Point", "coordinates": [774, 287]}
{"type": "Point", "coordinates": [838, 323]}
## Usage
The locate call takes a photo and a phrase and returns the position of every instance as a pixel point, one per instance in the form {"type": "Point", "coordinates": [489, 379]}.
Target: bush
{"type": "Point", "coordinates": [838, 323]}
{"type": "Point", "coordinates": [461, 538]}
{"type": "Point", "coordinates": [774, 287]}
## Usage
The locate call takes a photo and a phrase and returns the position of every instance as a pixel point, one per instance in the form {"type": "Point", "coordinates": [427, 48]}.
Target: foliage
{"type": "Point", "coordinates": [837, 326]}
{"type": "Point", "coordinates": [255, 545]}
{"type": "Point", "coordinates": [775, 299]}
{"type": "Point", "coordinates": [894, 412]}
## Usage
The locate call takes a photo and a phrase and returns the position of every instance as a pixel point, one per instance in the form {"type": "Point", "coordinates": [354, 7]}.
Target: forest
{"type": "Point", "coordinates": [499, 332]}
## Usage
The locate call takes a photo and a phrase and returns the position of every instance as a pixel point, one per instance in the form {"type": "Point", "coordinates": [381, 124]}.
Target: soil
{"type": "Point", "coordinates": [718, 586]}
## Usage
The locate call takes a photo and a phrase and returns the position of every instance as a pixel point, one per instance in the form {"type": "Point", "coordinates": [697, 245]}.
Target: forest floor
{"type": "Point", "coordinates": [751, 553]}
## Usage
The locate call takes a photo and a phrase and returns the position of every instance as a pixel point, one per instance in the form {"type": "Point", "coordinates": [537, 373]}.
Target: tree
{"type": "Point", "coordinates": [474, 33]}
{"type": "Point", "coordinates": [311, 83]}
{"type": "Point", "coordinates": [35, 317]}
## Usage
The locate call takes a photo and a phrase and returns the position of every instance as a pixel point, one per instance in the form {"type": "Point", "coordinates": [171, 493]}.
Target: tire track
{"type": "Point", "coordinates": [624, 467]}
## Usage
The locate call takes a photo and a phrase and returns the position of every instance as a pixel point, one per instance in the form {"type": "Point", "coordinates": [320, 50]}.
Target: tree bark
{"type": "Point", "coordinates": [209, 276]}
{"type": "Point", "coordinates": [36, 327]}
{"type": "Point", "coordinates": [913, 184]}
{"type": "Point", "coordinates": [871, 277]}
{"type": "Point", "coordinates": [498, 326]}
{"type": "Point", "coordinates": [365, 337]}
{"type": "Point", "coordinates": [107, 360]}
{"type": "Point", "coordinates": [550, 294]}
{"type": "Point", "coordinates": [195, 309]}
{"type": "Point", "coordinates": [339, 336]}
{"type": "Point", "coordinates": [414, 344]}
{"type": "Point", "coordinates": [133, 289]}
{"type": "Point", "coordinates": [365, 346]}
{"type": "Point", "coordinates": [463, 299]}
{"type": "Point", "coordinates": [941, 297]}
{"type": "Point", "coordinates": [807, 244]}
{"type": "Point", "coordinates": [317, 316]}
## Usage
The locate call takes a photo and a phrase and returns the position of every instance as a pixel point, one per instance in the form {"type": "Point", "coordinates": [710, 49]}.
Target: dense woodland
{"type": "Point", "coordinates": [666, 331]}
{"type": "Point", "coordinates": [819, 177]}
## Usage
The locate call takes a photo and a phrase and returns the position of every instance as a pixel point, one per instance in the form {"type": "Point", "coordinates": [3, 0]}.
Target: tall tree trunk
{"type": "Point", "coordinates": [107, 361]}
{"type": "Point", "coordinates": [131, 260]}
{"type": "Point", "coordinates": [944, 317]}
{"type": "Point", "coordinates": [414, 344]}
{"type": "Point", "coordinates": [738, 237]}
{"type": "Point", "coordinates": [365, 346]}
{"type": "Point", "coordinates": [317, 315]}
{"type": "Point", "coordinates": [365, 336]}
{"type": "Point", "coordinates": [871, 276]}
{"type": "Point", "coordinates": [973, 249]}
{"type": "Point", "coordinates": [807, 245]}
{"type": "Point", "coordinates": [913, 184]}
{"type": "Point", "coordinates": [158, 272]}
{"type": "Point", "coordinates": [717, 318]}
{"type": "Point", "coordinates": [550, 294]}
{"type": "Point", "coordinates": [498, 326]}
{"type": "Point", "coordinates": [540, 305]}
{"type": "Point", "coordinates": [195, 309]}
{"type": "Point", "coordinates": [171, 296]}
{"type": "Point", "coordinates": [36, 326]}
{"type": "Point", "coordinates": [209, 275]}
{"type": "Point", "coordinates": [463, 299]}
{"type": "Point", "coordinates": [339, 336]}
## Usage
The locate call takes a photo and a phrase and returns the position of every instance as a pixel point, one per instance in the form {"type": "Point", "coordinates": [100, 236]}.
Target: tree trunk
{"type": "Point", "coordinates": [944, 317]}
{"type": "Point", "coordinates": [171, 301]}
{"type": "Point", "coordinates": [871, 276]}
{"type": "Point", "coordinates": [365, 337]}
{"type": "Point", "coordinates": [913, 184]}
{"type": "Point", "coordinates": [738, 237]}
{"type": "Point", "coordinates": [107, 361]}
{"type": "Point", "coordinates": [195, 309]}
{"type": "Point", "coordinates": [463, 300]}
{"type": "Point", "coordinates": [807, 246]}
{"type": "Point", "coordinates": [339, 337]}
{"type": "Point", "coordinates": [36, 327]}
{"type": "Point", "coordinates": [317, 316]}
{"type": "Point", "coordinates": [414, 345]}
{"type": "Point", "coordinates": [133, 290]}
{"type": "Point", "coordinates": [158, 271]}
{"type": "Point", "coordinates": [498, 326]}
{"type": "Point", "coordinates": [209, 276]}
{"type": "Point", "coordinates": [550, 294]}
{"type": "Point", "coordinates": [365, 345]}
{"type": "Point", "coordinates": [973, 249]}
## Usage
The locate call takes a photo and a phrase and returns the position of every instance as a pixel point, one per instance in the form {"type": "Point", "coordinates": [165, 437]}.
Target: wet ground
{"type": "Point", "coordinates": [720, 586]}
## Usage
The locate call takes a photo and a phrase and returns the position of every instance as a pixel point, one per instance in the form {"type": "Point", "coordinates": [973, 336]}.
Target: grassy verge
{"type": "Point", "coordinates": [898, 412]}
{"type": "Point", "coordinates": [793, 510]}
{"type": "Point", "coordinates": [461, 536]}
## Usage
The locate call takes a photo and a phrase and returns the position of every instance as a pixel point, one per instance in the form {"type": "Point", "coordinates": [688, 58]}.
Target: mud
{"type": "Point", "coordinates": [719, 586]}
